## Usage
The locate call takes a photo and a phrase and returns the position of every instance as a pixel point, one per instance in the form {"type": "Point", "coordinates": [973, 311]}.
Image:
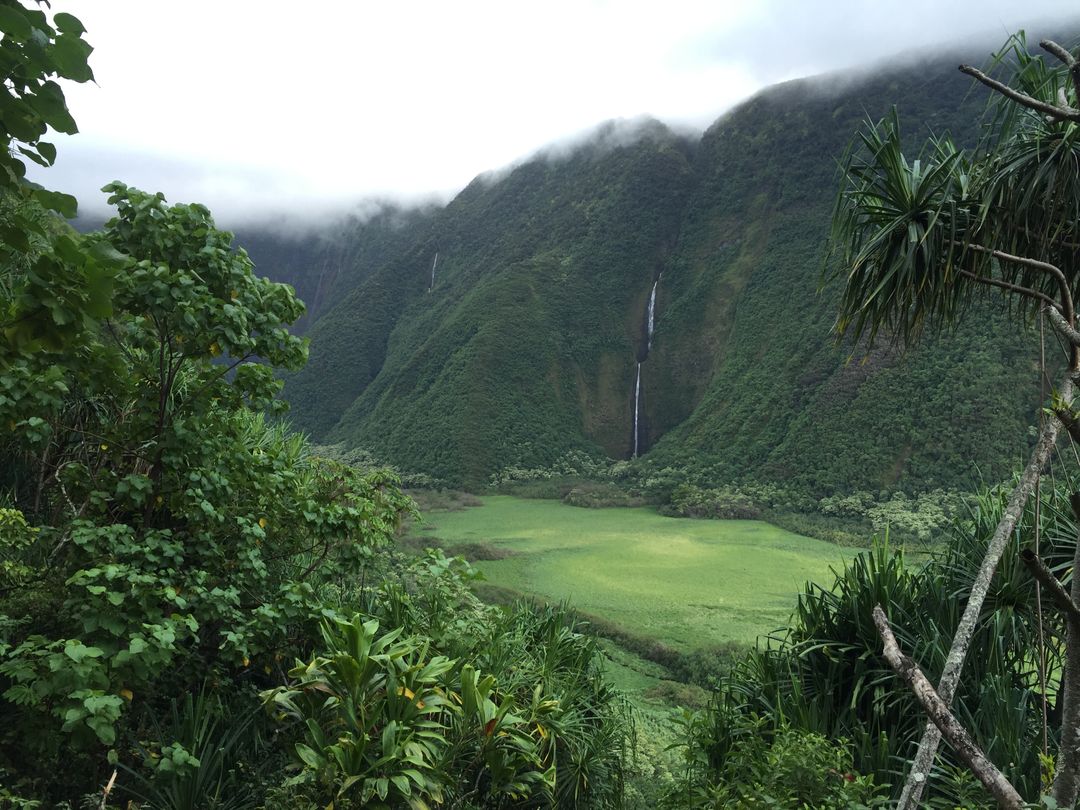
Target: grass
{"type": "Point", "coordinates": [687, 583]}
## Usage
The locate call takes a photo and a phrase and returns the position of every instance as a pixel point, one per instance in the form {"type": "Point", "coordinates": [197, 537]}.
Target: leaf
{"type": "Point", "coordinates": [68, 24]}
{"type": "Point", "coordinates": [309, 756]}
{"type": "Point", "coordinates": [64, 204]}
{"type": "Point", "coordinates": [70, 53]}
{"type": "Point", "coordinates": [13, 23]}
{"type": "Point", "coordinates": [47, 151]}
{"type": "Point", "coordinates": [49, 103]}
{"type": "Point", "coordinates": [77, 651]}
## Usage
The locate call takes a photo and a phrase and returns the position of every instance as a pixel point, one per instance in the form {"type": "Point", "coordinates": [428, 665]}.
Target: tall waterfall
{"type": "Point", "coordinates": [650, 325]}
{"type": "Point", "coordinates": [637, 408]}
{"type": "Point", "coordinates": [433, 265]}
{"type": "Point", "coordinates": [651, 320]}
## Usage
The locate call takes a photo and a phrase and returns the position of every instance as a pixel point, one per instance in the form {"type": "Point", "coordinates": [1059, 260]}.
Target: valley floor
{"type": "Point", "coordinates": [689, 584]}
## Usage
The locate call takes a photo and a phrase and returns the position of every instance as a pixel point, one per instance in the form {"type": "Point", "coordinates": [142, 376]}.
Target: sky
{"type": "Point", "coordinates": [259, 109]}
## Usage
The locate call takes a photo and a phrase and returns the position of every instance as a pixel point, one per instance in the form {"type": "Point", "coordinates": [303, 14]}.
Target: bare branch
{"type": "Point", "coordinates": [1016, 288]}
{"type": "Point", "coordinates": [938, 712]}
{"type": "Point", "coordinates": [1063, 54]}
{"type": "Point", "coordinates": [1023, 99]}
{"type": "Point", "coordinates": [1064, 328]}
{"type": "Point", "coordinates": [1052, 585]}
{"type": "Point", "coordinates": [1070, 422]}
{"type": "Point", "coordinates": [954, 663]}
{"type": "Point", "coordinates": [1034, 264]}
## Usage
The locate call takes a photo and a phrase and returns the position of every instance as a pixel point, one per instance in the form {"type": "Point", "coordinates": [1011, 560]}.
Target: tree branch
{"type": "Point", "coordinates": [938, 712]}
{"type": "Point", "coordinates": [1016, 288]}
{"type": "Point", "coordinates": [1063, 54]}
{"type": "Point", "coordinates": [1064, 328]}
{"type": "Point", "coordinates": [1023, 99]}
{"type": "Point", "coordinates": [954, 663]}
{"type": "Point", "coordinates": [1069, 422]}
{"type": "Point", "coordinates": [1052, 585]}
{"type": "Point", "coordinates": [1044, 267]}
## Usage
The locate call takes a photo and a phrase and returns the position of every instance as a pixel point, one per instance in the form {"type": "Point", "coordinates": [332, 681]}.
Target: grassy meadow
{"type": "Point", "coordinates": [687, 583]}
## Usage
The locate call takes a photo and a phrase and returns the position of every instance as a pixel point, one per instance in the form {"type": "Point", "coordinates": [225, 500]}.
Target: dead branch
{"type": "Point", "coordinates": [1045, 577]}
{"type": "Point", "coordinates": [1016, 288]}
{"type": "Point", "coordinates": [923, 762]}
{"type": "Point", "coordinates": [1068, 311]}
{"type": "Point", "coordinates": [938, 712]}
{"type": "Point", "coordinates": [1023, 99]}
{"type": "Point", "coordinates": [1063, 54]}
{"type": "Point", "coordinates": [1064, 328]}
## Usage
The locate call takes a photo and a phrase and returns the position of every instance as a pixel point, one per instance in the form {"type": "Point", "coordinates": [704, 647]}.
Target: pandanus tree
{"type": "Point", "coordinates": [915, 241]}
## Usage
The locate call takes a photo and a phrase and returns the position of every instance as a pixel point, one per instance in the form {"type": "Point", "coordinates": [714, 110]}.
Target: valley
{"type": "Point", "coordinates": [690, 584]}
{"type": "Point", "coordinates": [676, 468]}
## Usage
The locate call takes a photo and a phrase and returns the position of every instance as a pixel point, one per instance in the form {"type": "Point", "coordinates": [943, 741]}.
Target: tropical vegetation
{"type": "Point", "coordinates": [201, 609]}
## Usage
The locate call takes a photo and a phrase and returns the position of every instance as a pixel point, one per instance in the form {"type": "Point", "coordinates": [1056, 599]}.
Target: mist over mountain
{"type": "Point", "coordinates": [511, 326]}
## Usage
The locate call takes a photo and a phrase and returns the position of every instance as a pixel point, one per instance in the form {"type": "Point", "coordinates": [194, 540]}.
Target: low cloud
{"type": "Point", "coordinates": [409, 102]}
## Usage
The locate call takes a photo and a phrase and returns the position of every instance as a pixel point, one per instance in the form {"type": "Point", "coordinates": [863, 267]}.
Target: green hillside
{"type": "Point", "coordinates": [526, 345]}
{"type": "Point", "coordinates": [749, 381]}
{"type": "Point", "coordinates": [324, 264]}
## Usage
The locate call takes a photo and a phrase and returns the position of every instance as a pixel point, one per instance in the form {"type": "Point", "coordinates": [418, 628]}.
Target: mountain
{"type": "Point", "coordinates": [507, 328]}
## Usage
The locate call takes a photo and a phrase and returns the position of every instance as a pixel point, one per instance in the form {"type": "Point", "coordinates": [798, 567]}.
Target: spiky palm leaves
{"type": "Point", "coordinates": [825, 675]}
{"type": "Point", "coordinates": [916, 237]}
{"type": "Point", "coordinates": [912, 238]}
{"type": "Point", "coordinates": [896, 230]}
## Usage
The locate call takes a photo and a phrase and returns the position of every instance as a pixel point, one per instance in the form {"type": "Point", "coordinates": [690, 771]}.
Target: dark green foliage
{"type": "Point", "coordinates": [167, 536]}
{"type": "Point", "coordinates": [768, 768]}
{"type": "Point", "coordinates": [204, 757]}
{"type": "Point", "coordinates": [175, 528]}
{"type": "Point", "coordinates": [498, 708]}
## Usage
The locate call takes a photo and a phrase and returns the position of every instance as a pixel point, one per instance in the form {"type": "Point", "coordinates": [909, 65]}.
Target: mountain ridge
{"type": "Point", "coordinates": [525, 344]}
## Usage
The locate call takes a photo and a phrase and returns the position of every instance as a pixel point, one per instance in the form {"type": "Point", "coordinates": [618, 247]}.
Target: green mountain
{"type": "Point", "coordinates": [506, 328]}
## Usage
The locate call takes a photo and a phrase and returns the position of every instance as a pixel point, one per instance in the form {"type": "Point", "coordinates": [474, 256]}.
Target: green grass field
{"type": "Point", "coordinates": [687, 583]}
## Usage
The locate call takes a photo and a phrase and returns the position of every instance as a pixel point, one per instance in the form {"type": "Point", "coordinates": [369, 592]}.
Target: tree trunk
{"type": "Point", "coordinates": [1067, 773]}
{"type": "Point", "coordinates": [950, 676]}
{"type": "Point", "coordinates": [966, 748]}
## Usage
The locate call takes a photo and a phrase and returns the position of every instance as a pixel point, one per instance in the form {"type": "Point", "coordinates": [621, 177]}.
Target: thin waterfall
{"type": "Point", "coordinates": [651, 317]}
{"type": "Point", "coordinates": [650, 325]}
{"type": "Point", "coordinates": [637, 408]}
{"type": "Point", "coordinates": [433, 265]}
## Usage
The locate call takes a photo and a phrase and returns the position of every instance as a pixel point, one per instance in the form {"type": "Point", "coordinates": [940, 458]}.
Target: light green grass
{"type": "Point", "coordinates": [687, 583]}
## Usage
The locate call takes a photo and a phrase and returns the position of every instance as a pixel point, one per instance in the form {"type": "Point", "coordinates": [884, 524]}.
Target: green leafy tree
{"type": "Point", "coordinates": [64, 288]}
{"type": "Point", "coordinates": [181, 533]}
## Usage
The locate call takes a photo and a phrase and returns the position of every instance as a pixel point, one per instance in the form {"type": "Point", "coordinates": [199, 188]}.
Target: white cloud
{"type": "Point", "coordinates": [253, 106]}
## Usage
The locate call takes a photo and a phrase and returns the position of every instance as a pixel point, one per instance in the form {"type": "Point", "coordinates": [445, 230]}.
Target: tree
{"type": "Point", "coordinates": [917, 240]}
{"type": "Point", "coordinates": [67, 287]}
{"type": "Point", "coordinates": [178, 533]}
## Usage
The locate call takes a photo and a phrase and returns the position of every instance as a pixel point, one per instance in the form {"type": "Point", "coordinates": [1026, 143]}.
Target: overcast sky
{"type": "Point", "coordinates": [265, 107]}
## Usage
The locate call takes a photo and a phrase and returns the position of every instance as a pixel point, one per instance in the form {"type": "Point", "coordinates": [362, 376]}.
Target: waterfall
{"type": "Point", "coordinates": [637, 408]}
{"type": "Point", "coordinates": [433, 264]}
{"type": "Point", "coordinates": [651, 320]}
{"type": "Point", "coordinates": [650, 325]}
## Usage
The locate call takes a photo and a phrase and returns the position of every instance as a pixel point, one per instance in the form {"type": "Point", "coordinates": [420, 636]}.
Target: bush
{"type": "Point", "coordinates": [601, 495]}
{"type": "Point", "coordinates": [724, 503]}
